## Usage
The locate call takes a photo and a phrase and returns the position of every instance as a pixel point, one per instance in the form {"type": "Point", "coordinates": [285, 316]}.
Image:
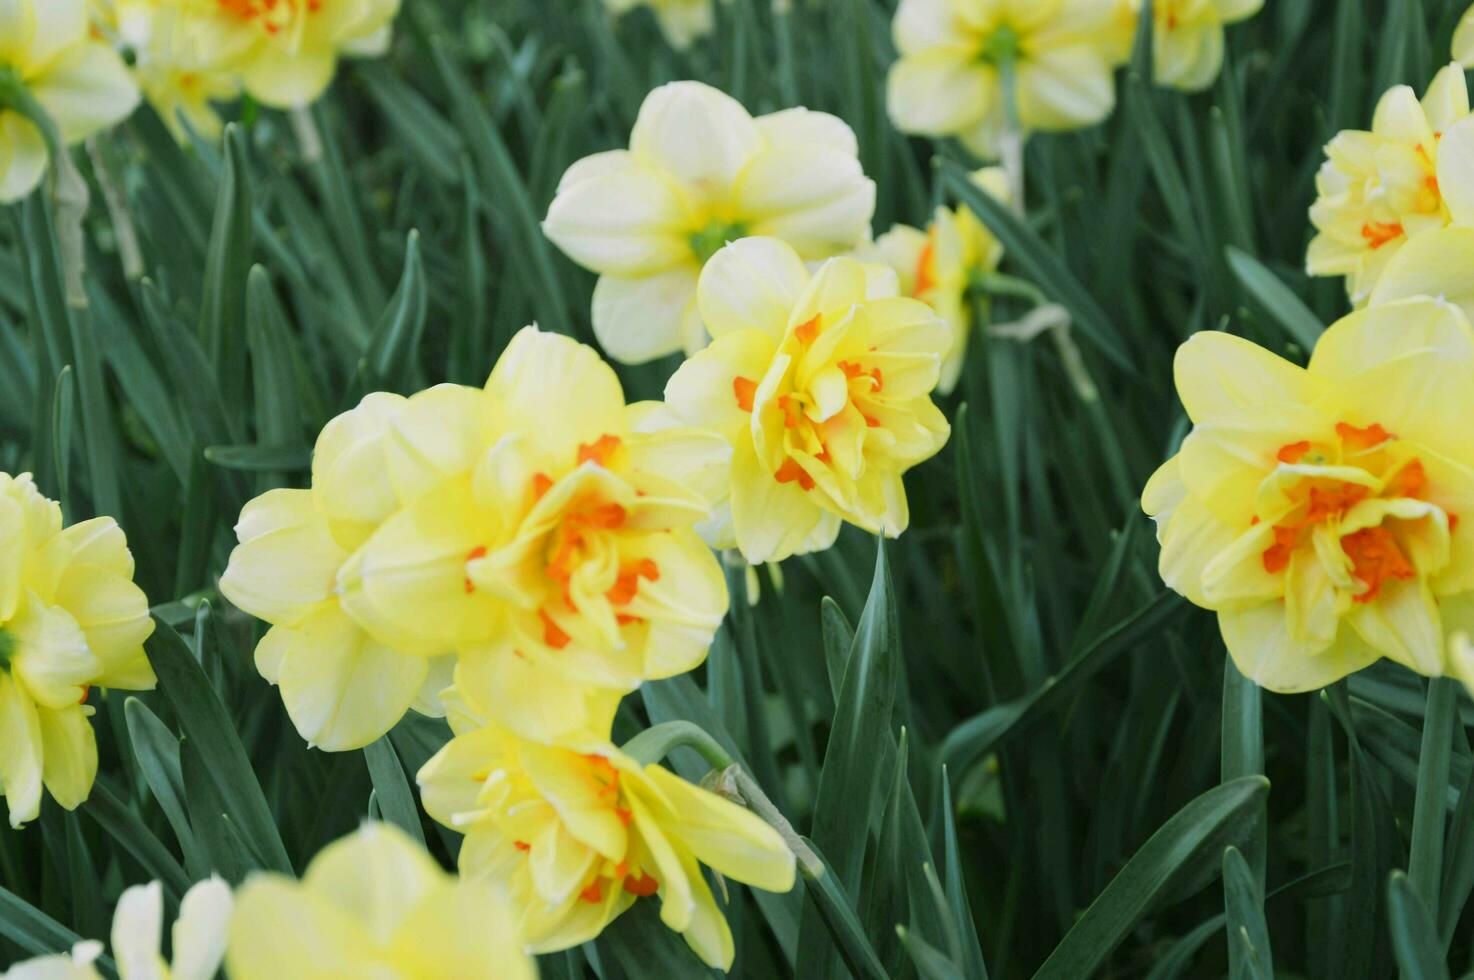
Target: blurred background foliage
{"type": "Point", "coordinates": [1006, 723]}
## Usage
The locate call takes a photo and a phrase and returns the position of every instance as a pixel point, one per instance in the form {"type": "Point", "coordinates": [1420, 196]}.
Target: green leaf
{"type": "Point", "coordinates": [260, 459]}
{"type": "Point", "coordinates": [835, 909]}
{"type": "Point", "coordinates": [1275, 299]}
{"type": "Point", "coordinates": [956, 884]}
{"type": "Point", "coordinates": [157, 751]}
{"type": "Point", "coordinates": [227, 261]}
{"type": "Point", "coordinates": [279, 412]}
{"type": "Point", "coordinates": [124, 826]}
{"type": "Point", "coordinates": [839, 638]}
{"type": "Point", "coordinates": [1186, 846]}
{"type": "Point", "coordinates": [1415, 942]}
{"type": "Point", "coordinates": [390, 357]}
{"type": "Point", "coordinates": [396, 800]}
{"type": "Point", "coordinates": [1025, 248]}
{"type": "Point", "coordinates": [1425, 862]}
{"type": "Point", "coordinates": [36, 932]}
{"type": "Point", "coordinates": [1248, 933]}
{"type": "Point", "coordinates": [207, 724]}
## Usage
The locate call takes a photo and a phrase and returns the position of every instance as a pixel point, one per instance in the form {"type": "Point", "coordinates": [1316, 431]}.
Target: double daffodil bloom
{"type": "Point", "coordinates": [539, 531]}
{"type": "Point", "coordinates": [1320, 510]}
{"type": "Point", "coordinates": [579, 831]}
{"type": "Point", "coordinates": [286, 51]}
{"type": "Point", "coordinates": [950, 80]}
{"type": "Point", "coordinates": [940, 266]}
{"type": "Point", "coordinates": [182, 56]}
{"type": "Point", "coordinates": [822, 384]}
{"type": "Point", "coordinates": [70, 619]}
{"type": "Point", "coordinates": [374, 904]}
{"type": "Point", "coordinates": [681, 21]}
{"type": "Point", "coordinates": [80, 82]}
{"type": "Point", "coordinates": [1377, 190]}
{"type": "Point", "coordinates": [138, 926]}
{"type": "Point", "coordinates": [700, 172]}
{"type": "Point", "coordinates": [1187, 37]}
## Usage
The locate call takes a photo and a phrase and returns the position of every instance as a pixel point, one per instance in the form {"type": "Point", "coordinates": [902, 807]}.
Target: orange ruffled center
{"type": "Point", "coordinates": [274, 16]}
{"type": "Point", "coordinates": [1374, 552]}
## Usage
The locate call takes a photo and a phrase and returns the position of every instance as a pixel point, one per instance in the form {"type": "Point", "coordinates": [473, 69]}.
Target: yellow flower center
{"type": "Point", "coordinates": [1375, 553]}
{"type": "Point", "coordinates": [273, 15]}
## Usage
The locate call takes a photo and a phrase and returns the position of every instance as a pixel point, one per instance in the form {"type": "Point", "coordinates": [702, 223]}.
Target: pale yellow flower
{"type": "Point", "coordinates": [579, 832]}
{"type": "Point", "coordinates": [822, 384]}
{"type": "Point", "coordinates": [941, 265]}
{"type": "Point", "coordinates": [699, 172]}
{"type": "Point", "coordinates": [681, 21]}
{"type": "Point", "coordinates": [1409, 175]}
{"type": "Point", "coordinates": [81, 83]}
{"type": "Point", "coordinates": [1463, 41]}
{"type": "Point", "coordinates": [1323, 512]}
{"type": "Point", "coordinates": [70, 619]}
{"type": "Point", "coordinates": [138, 925]}
{"type": "Point", "coordinates": [374, 904]}
{"type": "Point", "coordinates": [948, 83]}
{"type": "Point", "coordinates": [1438, 263]}
{"type": "Point", "coordinates": [1187, 37]}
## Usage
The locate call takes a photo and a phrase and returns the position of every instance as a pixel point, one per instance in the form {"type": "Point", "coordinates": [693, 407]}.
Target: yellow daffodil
{"type": "Point", "coordinates": [539, 530]}
{"type": "Point", "coordinates": [565, 560]}
{"type": "Point", "coordinates": [182, 57]}
{"type": "Point", "coordinates": [70, 619]}
{"type": "Point", "coordinates": [699, 172]}
{"type": "Point", "coordinates": [940, 265]}
{"type": "Point", "coordinates": [343, 688]}
{"type": "Point", "coordinates": [1187, 37]}
{"type": "Point", "coordinates": [579, 831]}
{"type": "Point", "coordinates": [822, 385]}
{"type": "Point", "coordinates": [1463, 41]}
{"type": "Point", "coordinates": [289, 49]}
{"type": "Point", "coordinates": [138, 925]}
{"type": "Point", "coordinates": [1377, 190]}
{"type": "Point", "coordinates": [1322, 511]}
{"type": "Point", "coordinates": [80, 82]}
{"type": "Point", "coordinates": [948, 80]}
{"type": "Point", "coordinates": [374, 904]}
{"type": "Point", "coordinates": [1438, 263]}
{"type": "Point", "coordinates": [681, 21]}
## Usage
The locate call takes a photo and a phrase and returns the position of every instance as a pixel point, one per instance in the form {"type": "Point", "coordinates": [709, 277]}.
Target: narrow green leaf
{"type": "Point", "coordinates": [391, 353]}
{"type": "Point", "coordinates": [1415, 942]}
{"type": "Point", "coordinates": [956, 884]}
{"type": "Point", "coordinates": [839, 638]}
{"type": "Point", "coordinates": [279, 412]}
{"type": "Point", "coordinates": [38, 933]}
{"type": "Point", "coordinates": [1187, 845]}
{"type": "Point", "coordinates": [1425, 862]}
{"type": "Point", "coordinates": [260, 459]}
{"type": "Point", "coordinates": [1248, 933]}
{"type": "Point", "coordinates": [1275, 299]}
{"type": "Point", "coordinates": [827, 896]}
{"type": "Point", "coordinates": [391, 788]}
{"type": "Point", "coordinates": [1458, 870]}
{"type": "Point", "coordinates": [157, 751]}
{"type": "Point", "coordinates": [124, 826]}
{"type": "Point", "coordinates": [227, 261]}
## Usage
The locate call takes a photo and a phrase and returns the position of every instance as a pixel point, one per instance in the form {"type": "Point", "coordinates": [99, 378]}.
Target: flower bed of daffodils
{"type": "Point", "coordinates": [789, 488]}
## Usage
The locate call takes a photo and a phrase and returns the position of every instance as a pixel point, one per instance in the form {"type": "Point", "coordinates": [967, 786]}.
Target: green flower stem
{"type": "Point", "coordinates": [1425, 863]}
{"type": "Point", "coordinates": [122, 217]}
{"type": "Point", "coordinates": [727, 779]}
{"type": "Point", "coordinates": [1011, 139]}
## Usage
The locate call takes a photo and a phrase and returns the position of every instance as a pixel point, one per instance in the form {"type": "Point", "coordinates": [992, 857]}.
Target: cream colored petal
{"type": "Point", "coordinates": [1456, 170]}
{"type": "Point", "coordinates": [641, 319]}
{"type": "Point", "coordinates": [630, 222]}
{"type": "Point", "coordinates": [1463, 40]}
{"type": "Point", "coordinates": [939, 91]}
{"type": "Point", "coordinates": [805, 127]}
{"type": "Point", "coordinates": [25, 161]}
{"type": "Point", "coordinates": [815, 198]}
{"type": "Point", "coordinates": [87, 90]}
{"type": "Point", "coordinates": [287, 562]}
{"type": "Point", "coordinates": [1065, 87]}
{"type": "Point", "coordinates": [436, 436]}
{"type": "Point", "coordinates": [751, 284]}
{"type": "Point", "coordinates": [1402, 623]}
{"type": "Point", "coordinates": [52, 663]}
{"type": "Point", "coordinates": [699, 135]}
{"type": "Point", "coordinates": [58, 26]}
{"type": "Point", "coordinates": [200, 932]}
{"type": "Point", "coordinates": [1447, 99]}
{"type": "Point", "coordinates": [138, 931]}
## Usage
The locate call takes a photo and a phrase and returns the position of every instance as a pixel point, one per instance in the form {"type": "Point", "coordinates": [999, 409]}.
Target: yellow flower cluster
{"type": "Point", "coordinates": [966, 65]}
{"type": "Point", "coordinates": [71, 619]}
{"type": "Point", "coordinates": [681, 21]}
{"type": "Point", "coordinates": [1320, 511]}
{"type": "Point", "coordinates": [80, 83]}
{"type": "Point", "coordinates": [188, 54]}
{"type": "Point", "coordinates": [1382, 189]}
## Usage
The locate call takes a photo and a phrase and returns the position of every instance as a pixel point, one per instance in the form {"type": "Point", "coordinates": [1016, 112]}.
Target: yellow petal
{"type": "Point", "coordinates": [815, 198]}
{"type": "Point", "coordinates": [138, 931]}
{"type": "Point", "coordinates": [436, 436]}
{"type": "Point", "coordinates": [20, 752]}
{"type": "Point", "coordinates": [627, 222]}
{"type": "Point", "coordinates": [200, 933]}
{"type": "Point", "coordinates": [939, 91]}
{"type": "Point", "coordinates": [1439, 264]}
{"type": "Point", "coordinates": [69, 754]}
{"type": "Point", "coordinates": [375, 877]}
{"type": "Point", "coordinates": [287, 560]}
{"type": "Point", "coordinates": [1259, 640]}
{"type": "Point", "coordinates": [1217, 373]}
{"type": "Point", "coordinates": [1463, 40]}
{"type": "Point", "coordinates": [113, 615]}
{"type": "Point", "coordinates": [1402, 623]}
{"type": "Point", "coordinates": [751, 284]}
{"type": "Point", "coordinates": [52, 661]}
{"type": "Point", "coordinates": [86, 90]}
{"type": "Point", "coordinates": [451, 781]}
{"type": "Point", "coordinates": [279, 926]}
{"type": "Point", "coordinates": [463, 929]}
{"type": "Point", "coordinates": [552, 387]}
{"type": "Point", "coordinates": [25, 156]}
{"type": "Point", "coordinates": [350, 480]}
{"type": "Point", "coordinates": [698, 135]}
{"type": "Point", "coordinates": [1067, 87]}
{"type": "Point", "coordinates": [642, 318]}
{"type": "Point", "coordinates": [283, 78]}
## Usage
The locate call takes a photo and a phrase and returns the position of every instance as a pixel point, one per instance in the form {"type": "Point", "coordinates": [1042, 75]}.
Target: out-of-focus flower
{"type": "Point", "coordinates": [182, 57]}
{"type": "Point", "coordinates": [822, 384]}
{"type": "Point", "coordinates": [940, 266]}
{"type": "Point", "coordinates": [1463, 42]}
{"type": "Point", "coordinates": [138, 927]}
{"type": "Point", "coordinates": [374, 904]}
{"type": "Point", "coordinates": [681, 21]}
{"type": "Point", "coordinates": [1187, 37]}
{"type": "Point", "coordinates": [287, 51]}
{"type": "Point", "coordinates": [70, 619]}
{"type": "Point", "coordinates": [539, 531]}
{"type": "Point", "coordinates": [948, 80]}
{"type": "Point", "coordinates": [700, 172]}
{"type": "Point", "coordinates": [80, 82]}
{"type": "Point", "coordinates": [1322, 512]}
{"type": "Point", "coordinates": [579, 831]}
{"type": "Point", "coordinates": [1409, 175]}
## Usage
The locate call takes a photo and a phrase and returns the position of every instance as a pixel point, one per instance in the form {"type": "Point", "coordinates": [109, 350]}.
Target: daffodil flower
{"type": "Point", "coordinates": [70, 619]}
{"type": "Point", "coordinates": [1409, 175]}
{"type": "Point", "coordinates": [138, 925]}
{"type": "Point", "coordinates": [1437, 263]}
{"type": "Point", "coordinates": [700, 172]}
{"type": "Point", "coordinates": [822, 384]}
{"type": "Point", "coordinates": [940, 266]}
{"type": "Point", "coordinates": [287, 51]}
{"type": "Point", "coordinates": [1187, 37]}
{"type": "Point", "coordinates": [956, 57]}
{"type": "Point", "coordinates": [182, 57]}
{"type": "Point", "coordinates": [1322, 511]}
{"type": "Point", "coordinates": [1463, 39]}
{"type": "Point", "coordinates": [80, 82]}
{"type": "Point", "coordinates": [681, 21]}
{"type": "Point", "coordinates": [374, 904]}
{"type": "Point", "coordinates": [580, 831]}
